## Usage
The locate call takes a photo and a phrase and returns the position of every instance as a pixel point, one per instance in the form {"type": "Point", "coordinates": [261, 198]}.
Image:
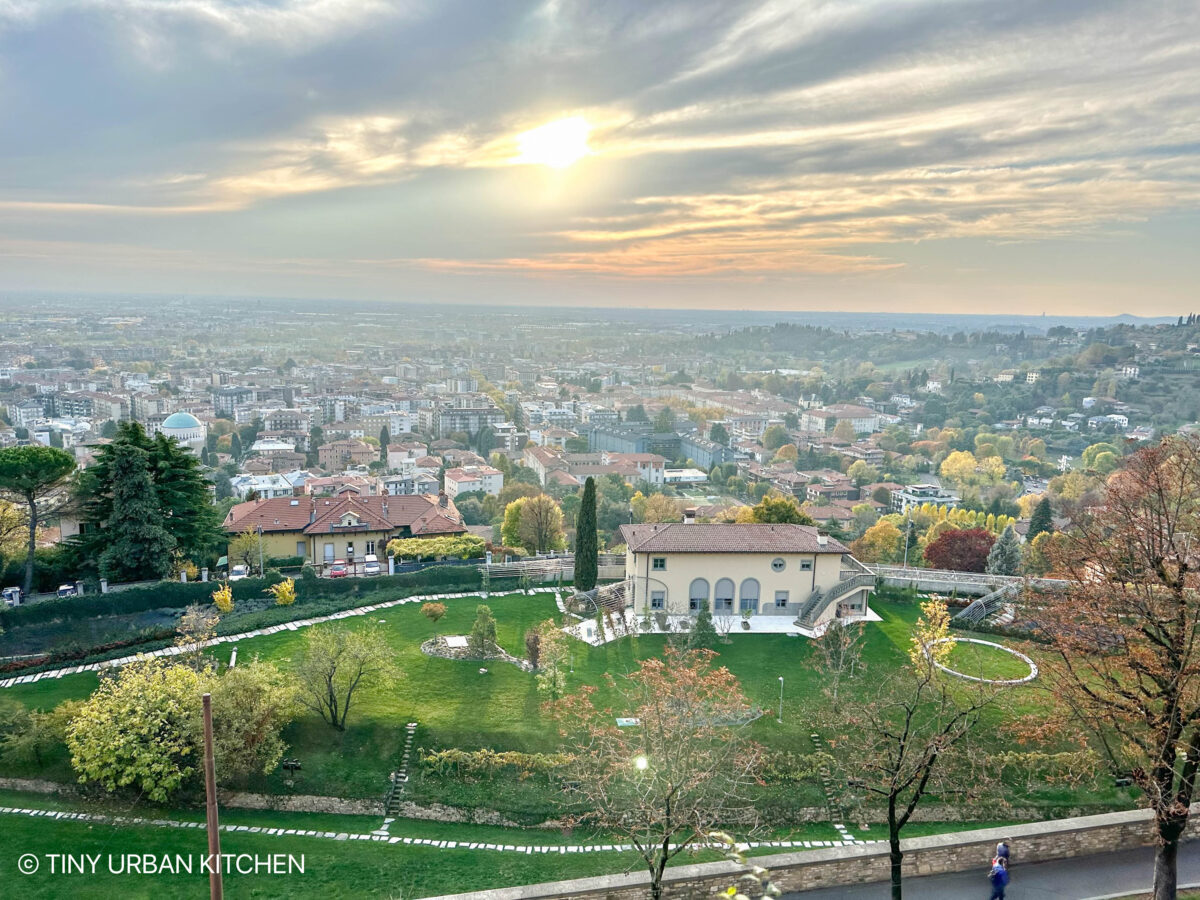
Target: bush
{"type": "Point", "coordinates": [285, 562]}
{"type": "Point", "coordinates": [487, 763]}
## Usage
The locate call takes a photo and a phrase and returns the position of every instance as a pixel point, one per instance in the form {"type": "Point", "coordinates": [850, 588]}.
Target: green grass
{"type": "Point", "coordinates": [456, 706]}
{"type": "Point", "coordinates": [982, 661]}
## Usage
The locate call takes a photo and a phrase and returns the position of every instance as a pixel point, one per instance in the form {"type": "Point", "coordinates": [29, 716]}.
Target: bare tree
{"type": "Point", "coordinates": [838, 654]}
{"type": "Point", "coordinates": [1128, 661]}
{"type": "Point", "coordinates": [336, 663]}
{"type": "Point", "coordinates": [911, 737]}
{"type": "Point", "coordinates": [664, 784]}
{"type": "Point", "coordinates": [197, 626]}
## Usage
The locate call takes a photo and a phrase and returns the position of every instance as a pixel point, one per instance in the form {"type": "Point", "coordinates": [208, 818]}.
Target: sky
{"type": "Point", "coordinates": [974, 156]}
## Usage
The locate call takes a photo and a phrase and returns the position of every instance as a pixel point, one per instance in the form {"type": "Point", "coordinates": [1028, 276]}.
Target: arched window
{"type": "Point", "coordinates": [749, 595]}
{"type": "Point", "coordinates": [723, 596]}
{"type": "Point", "coordinates": [698, 595]}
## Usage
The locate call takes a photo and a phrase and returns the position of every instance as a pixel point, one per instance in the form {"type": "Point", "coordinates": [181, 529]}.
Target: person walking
{"type": "Point", "coordinates": [1002, 852]}
{"type": "Point", "coordinates": [999, 880]}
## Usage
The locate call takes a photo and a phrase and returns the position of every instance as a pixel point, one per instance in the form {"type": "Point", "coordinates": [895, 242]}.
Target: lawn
{"type": "Point", "coordinates": [456, 706]}
{"type": "Point", "coordinates": [981, 661]}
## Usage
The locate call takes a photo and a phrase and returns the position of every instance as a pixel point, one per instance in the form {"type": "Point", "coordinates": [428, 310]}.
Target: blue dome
{"type": "Point", "coordinates": [180, 420]}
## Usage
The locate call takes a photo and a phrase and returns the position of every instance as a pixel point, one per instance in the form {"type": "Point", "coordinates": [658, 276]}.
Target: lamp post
{"type": "Point", "coordinates": [780, 719]}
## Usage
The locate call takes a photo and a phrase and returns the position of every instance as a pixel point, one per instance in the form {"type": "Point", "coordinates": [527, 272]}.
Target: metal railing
{"type": "Point", "coordinates": [818, 603]}
{"type": "Point", "coordinates": [975, 579]}
{"type": "Point", "coordinates": [982, 607]}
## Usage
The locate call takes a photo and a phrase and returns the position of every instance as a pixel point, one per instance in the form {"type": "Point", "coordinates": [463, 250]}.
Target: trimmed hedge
{"type": "Point", "coordinates": [353, 593]}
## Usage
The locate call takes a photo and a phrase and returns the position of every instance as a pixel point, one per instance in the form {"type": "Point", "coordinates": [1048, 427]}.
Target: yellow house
{"type": "Point", "coordinates": [732, 569]}
{"type": "Point", "coordinates": [349, 527]}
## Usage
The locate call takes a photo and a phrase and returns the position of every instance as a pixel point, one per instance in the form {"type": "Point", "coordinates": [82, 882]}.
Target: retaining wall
{"type": "Point", "coordinates": [832, 867]}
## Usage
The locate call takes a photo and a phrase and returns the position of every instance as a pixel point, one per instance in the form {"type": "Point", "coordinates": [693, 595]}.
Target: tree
{"type": "Point", "coordinates": [534, 523]}
{"type": "Point", "coordinates": [719, 434]}
{"type": "Point", "coordinates": [664, 785]}
{"type": "Point", "coordinates": [1005, 556]}
{"type": "Point", "coordinates": [654, 509]}
{"type": "Point", "coordinates": [384, 439]}
{"type": "Point", "coordinates": [433, 611]}
{"type": "Point", "coordinates": [910, 737]}
{"type": "Point", "coordinates": [482, 640]}
{"type": "Point", "coordinates": [142, 547]}
{"type": "Point", "coordinates": [862, 472]}
{"type": "Point", "coordinates": [779, 510]}
{"type": "Point", "coordinates": [586, 549]}
{"type": "Point", "coordinates": [665, 420]}
{"type": "Point", "coordinates": [637, 414]}
{"type": "Point", "coordinates": [1041, 521]}
{"type": "Point", "coordinates": [552, 662]}
{"type": "Point", "coordinates": [1127, 661]}
{"type": "Point", "coordinates": [235, 447]}
{"type": "Point", "coordinates": [881, 543]}
{"type": "Point", "coordinates": [246, 548]}
{"type": "Point", "coordinates": [252, 703]}
{"type": "Point", "coordinates": [138, 729]}
{"type": "Point", "coordinates": [533, 647]}
{"type": "Point", "coordinates": [28, 474]}
{"type": "Point", "coordinates": [838, 654]}
{"type": "Point", "coordinates": [963, 550]}
{"type": "Point", "coordinates": [786, 453]}
{"type": "Point", "coordinates": [336, 662]}
{"type": "Point", "coordinates": [703, 635]}
{"type": "Point", "coordinates": [843, 432]}
{"type": "Point", "coordinates": [1091, 454]}
{"type": "Point", "coordinates": [197, 626]}
{"type": "Point", "coordinates": [774, 437]}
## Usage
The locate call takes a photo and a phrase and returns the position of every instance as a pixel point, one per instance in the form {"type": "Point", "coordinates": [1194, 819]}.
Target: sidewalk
{"type": "Point", "coordinates": [1080, 878]}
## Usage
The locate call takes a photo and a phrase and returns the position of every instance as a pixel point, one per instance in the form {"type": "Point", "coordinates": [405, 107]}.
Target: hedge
{"type": "Point", "coordinates": [353, 593]}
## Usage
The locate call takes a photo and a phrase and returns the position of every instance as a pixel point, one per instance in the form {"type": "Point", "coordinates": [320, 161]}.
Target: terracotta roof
{"type": "Point", "coordinates": [732, 538]}
{"type": "Point", "coordinates": [420, 513]}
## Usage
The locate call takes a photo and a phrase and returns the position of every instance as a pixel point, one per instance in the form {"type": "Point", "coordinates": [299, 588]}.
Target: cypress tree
{"type": "Point", "coordinates": [1041, 521]}
{"type": "Point", "coordinates": [139, 546]}
{"type": "Point", "coordinates": [235, 446]}
{"type": "Point", "coordinates": [384, 439]}
{"type": "Point", "coordinates": [586, 563]}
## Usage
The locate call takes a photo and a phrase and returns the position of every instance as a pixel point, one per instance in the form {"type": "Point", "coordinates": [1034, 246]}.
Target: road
{"type": "Point", "coordinates": [1080, 878]}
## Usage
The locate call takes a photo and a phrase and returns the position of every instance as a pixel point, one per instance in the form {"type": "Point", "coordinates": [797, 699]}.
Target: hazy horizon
{"type": "Point", "coordinates": [861, 156]}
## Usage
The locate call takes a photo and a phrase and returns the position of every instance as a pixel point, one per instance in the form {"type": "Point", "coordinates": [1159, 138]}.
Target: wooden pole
{"type": "Point", "coordinates": [215, 887]}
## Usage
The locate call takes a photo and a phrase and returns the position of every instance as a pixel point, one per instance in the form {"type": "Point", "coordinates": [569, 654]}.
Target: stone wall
{"type": "Point", "coordinates": [301, 803]}
{"type": "Point", "coordinates": [836, 866]}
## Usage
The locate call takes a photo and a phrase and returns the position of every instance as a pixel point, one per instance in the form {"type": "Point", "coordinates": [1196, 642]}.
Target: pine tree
{"type": "Point", "coordinates": [140, 547]}
{"type": "Point", "coordinates": [384, 439]}
{"type": "Point", "coordinates": [704, 633]}
{"type": "Point", "coordinates": [1041, 521]}
{"type": "Point", "coordinates": [585, 539]}
{"type": "Point", "coordinates": [235, 446]}
{"type": "Point", "coordinates": [1005, 556]}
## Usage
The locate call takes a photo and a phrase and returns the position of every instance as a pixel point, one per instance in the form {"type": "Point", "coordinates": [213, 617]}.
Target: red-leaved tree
{"type": "Point", "coordinates": [964, 550]}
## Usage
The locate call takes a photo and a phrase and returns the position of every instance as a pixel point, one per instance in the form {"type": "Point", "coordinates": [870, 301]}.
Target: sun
{"type": "Point", "coordinates": [556, 144]}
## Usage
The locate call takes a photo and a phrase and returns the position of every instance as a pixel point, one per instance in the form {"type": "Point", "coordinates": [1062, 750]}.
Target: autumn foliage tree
{"type": "Point", "coordinates": [1128, 643]}
{"type": "Point", "coordinates": [963, 550]}
{"type": "Point", "coordinates": [663, 785]}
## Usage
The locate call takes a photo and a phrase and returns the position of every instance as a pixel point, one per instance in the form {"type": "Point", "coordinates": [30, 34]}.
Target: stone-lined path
{"type": "Point", "coordinates": [382, 836]}
{"type": "Point", "coordinates": [260, 632]}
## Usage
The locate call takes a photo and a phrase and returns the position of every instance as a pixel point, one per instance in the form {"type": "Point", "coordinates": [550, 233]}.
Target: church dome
{"type": "Point", "coordinates": [180, 420]}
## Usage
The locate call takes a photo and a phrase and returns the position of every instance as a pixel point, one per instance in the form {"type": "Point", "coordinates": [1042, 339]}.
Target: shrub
{"type": "Point", "coordinates": [486, 763]}
{"type": "Point", "coordinates": [223, 598]}
{"type": "Point", "coordinates": [284, 592]}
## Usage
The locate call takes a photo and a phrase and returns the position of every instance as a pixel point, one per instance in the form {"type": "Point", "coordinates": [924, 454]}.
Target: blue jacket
{"type": "Point", "coordinates": [999, 876]}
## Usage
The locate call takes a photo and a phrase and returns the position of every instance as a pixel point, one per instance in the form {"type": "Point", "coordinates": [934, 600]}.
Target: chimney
{"type": "Point", "coordinates": [443, 500]}
{"type": "Point", "coordinates": [689, 516]}
{"type": "Point", "coordinates": [822, 540]}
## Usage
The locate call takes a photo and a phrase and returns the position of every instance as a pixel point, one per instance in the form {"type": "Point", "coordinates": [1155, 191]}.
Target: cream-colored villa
{"type": "Point", "coordinates": [768, 570]}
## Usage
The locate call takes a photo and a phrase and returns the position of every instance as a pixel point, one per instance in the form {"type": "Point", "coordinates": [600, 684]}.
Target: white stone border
{"type": "Point", "coordinates": [1033, 669]}
{"type": "Point", "coordinates": [292, 625]}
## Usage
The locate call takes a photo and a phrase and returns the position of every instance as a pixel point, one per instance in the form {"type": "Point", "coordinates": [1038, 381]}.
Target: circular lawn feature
{"type": "Point", "coordinates": [977, 660]}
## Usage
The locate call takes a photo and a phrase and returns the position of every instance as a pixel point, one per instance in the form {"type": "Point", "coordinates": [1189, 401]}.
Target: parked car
{"type": "Point", "coordinates": [238, 572]}
{"type": "Point", "coordinates": [66, 590]}
{"type": "Point", "coordinates": [371, 564]}
{"type": "Point", "coordinates": [338, 569]}
{"type": "Point", "coordinates": [12, 596]}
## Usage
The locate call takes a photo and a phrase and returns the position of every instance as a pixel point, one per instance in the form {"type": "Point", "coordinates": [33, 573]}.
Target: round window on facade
{"type": "Point", "coordinates": [777, 564]}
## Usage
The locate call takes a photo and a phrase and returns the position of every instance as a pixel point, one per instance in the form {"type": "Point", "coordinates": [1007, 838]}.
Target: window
{"type": "Point", "coordinates": [723, 596]}
{"type": "Point", "coordinates": [698, 595]}
{"type": "Point", "coordinates": [658, 563]}
{"type": "Point", "coordinates": [806, 565]}
{"type": "Point", "coordinates": [370, 547]}
{"type": "Point", "coordinates": [658, 599]}
{"type": "Point", "coordinates": [781, 599]}
{"type": "Point", "coordinates": [349, 550]}
{"type": "Point", "coordinates": [777, 564]}
{"type": "Point", "coordinates": [748, 599]}
{"type": "Point", "coordinates": [300, 549]}
{"type": "Point", "coordinates": [329, 553]}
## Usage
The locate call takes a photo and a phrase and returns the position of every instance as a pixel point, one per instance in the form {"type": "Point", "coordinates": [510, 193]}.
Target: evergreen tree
{"type": "Point", "coordinates": [235, 446]}
{"type": "Point", "coordinates": [585, 539]}
{"type": "Point", "coordinates": [1041, 521]}
{"type": "Point", "coordinates": [384, 440]}
{"type": "Point", "coordinates": [704, 633]}
{"type": "Point", "coordinates": [140, 547]}
{"type": "Point", "coordinates": [1005, 556]}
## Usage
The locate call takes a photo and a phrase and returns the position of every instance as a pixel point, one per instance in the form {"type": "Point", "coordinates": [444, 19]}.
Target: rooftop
{"type": "Point", "coordinates": [727, 538]}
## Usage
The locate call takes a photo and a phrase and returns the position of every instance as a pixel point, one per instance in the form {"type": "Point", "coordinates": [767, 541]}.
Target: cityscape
{"type": "Point", "coordinates": [569, 450]}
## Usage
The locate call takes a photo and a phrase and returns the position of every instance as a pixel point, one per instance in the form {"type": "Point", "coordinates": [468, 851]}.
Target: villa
{"type": "Point", "coordinates": [731, 569]}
